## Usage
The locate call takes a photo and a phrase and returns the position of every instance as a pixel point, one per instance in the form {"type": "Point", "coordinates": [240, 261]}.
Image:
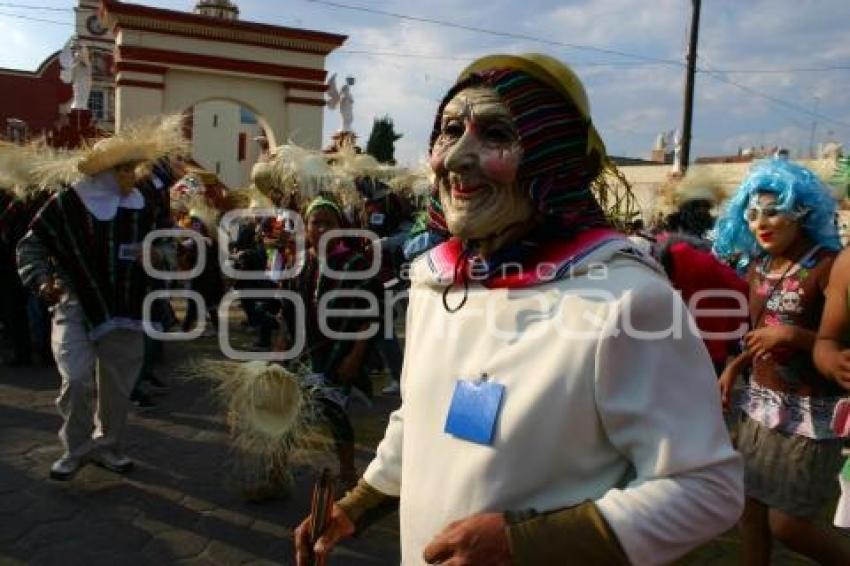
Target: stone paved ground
{"type": "Point", "coordinates": [179, 504]}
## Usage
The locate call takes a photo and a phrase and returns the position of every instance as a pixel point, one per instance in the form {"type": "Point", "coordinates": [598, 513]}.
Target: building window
{"type": "Point", "coordinates": [16, 130]}
{"type": "Point", "coordinates": [215, 120]}
{"type": "Point", "coordinates": [97, 104]}
{"type": "Point", "coordinates": [218, 167]}
{"type": "Point", "coordinates": [242, 148]}
{"type": "Point", "coordinates": [246, 116]}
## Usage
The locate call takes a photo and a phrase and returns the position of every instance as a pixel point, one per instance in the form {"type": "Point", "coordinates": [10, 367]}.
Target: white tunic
{"type": "Point", "coordinates": [609, 396]}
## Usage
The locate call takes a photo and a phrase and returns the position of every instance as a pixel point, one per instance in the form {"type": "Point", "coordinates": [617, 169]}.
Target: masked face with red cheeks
{"type": "Point", "coordinates": [476, 158]}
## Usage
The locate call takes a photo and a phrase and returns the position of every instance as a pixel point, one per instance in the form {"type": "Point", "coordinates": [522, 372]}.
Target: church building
{"type": "Point", "coordinates": [236, 81]}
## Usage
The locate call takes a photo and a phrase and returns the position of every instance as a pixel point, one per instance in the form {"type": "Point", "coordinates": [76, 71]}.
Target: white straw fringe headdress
{"type": "Point", "coordinates": [17, 166]}
{"type": "Point", "coordinates": [143, 141]}
{"type": "Point", "coordinates": [269, 412]}
{"type": "Point", "coordinates": [699, 184]}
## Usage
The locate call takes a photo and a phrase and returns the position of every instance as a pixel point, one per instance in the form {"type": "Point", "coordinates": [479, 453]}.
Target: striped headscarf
{"type": "Point", "coordinates": [556, 169]}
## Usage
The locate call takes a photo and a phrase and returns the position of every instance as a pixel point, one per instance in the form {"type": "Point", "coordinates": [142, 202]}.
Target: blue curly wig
{"type": "Point", "coordinates": [798, 192]}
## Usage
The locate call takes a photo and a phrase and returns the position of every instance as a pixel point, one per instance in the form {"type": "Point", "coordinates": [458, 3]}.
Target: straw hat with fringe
{"type": "Point", "coordinates": [143, 141]}
{"type": "Point", "coordinates": [251, 197]}
{"type": "Point", "coordinates": [291, 169]}
{"type": "Point", "coordinates": [11, 173]}
{"type": "Point", "coordinates": [412, 182]}
{"type": "Point", "coordinates": [699, 184]}
{"type": "Point", "coordinates": [269, 412]}
{"type": "Point", "coordinates": [17, 165]}
{"type": "Point", "coordinates": [295, 169]}
{"type": "Point", "coordinates": [263, 177]}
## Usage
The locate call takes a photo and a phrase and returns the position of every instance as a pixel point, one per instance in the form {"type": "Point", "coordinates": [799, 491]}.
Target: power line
{"type": "Point", "coordinates": [711, 72]}
{"type": "Point", "coordinates": [498, 33]}
{"type": "Point", "coordinates": [601, 63]}
{"type": "Point", "coordinates": [408, 55]}
{"type": "Point", "coordinates": [31, 7]}
{"type": "Point", "coordinates": [714, 74]}
{"type": "Point", "coordinates": [30, 18]}
{"type": "Point", "coordinates": [782, 71]}
{"type": "Point", "coordinates": [718, 76]}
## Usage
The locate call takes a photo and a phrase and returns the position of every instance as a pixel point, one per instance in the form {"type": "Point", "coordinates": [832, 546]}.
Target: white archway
{"type": "Point", "coordinates": [223, 133]}
{"type": "Point", "coordinates": [167, 61]}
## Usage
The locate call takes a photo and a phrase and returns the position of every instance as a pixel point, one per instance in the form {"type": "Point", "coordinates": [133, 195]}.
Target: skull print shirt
{"type": "Point", "coordinates": [786, 391]}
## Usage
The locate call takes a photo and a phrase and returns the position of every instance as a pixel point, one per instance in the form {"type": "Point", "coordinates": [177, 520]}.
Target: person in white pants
{"type": "Point", "coordinates": [115, 360]}
{"type": "Point", "coordinates": [82, 255]}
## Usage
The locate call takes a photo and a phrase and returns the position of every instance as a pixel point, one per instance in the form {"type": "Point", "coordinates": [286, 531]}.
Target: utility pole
{"type": "Point", "coordinates": [685, 155]}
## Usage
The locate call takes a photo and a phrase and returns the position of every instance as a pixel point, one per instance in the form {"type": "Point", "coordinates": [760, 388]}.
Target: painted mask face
{"type": "Point", "coordinates": [476, 157]}
{"type": "Point", "coordinates": [775, 230]}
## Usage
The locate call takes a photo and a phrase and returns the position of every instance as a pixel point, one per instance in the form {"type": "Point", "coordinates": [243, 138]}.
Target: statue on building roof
{"type": "Point", "coordinates": [342, 98]}
{"type": "Point", "coordinates": [76, 71]}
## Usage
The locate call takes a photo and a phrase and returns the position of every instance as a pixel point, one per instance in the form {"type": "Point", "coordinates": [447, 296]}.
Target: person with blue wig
{"type": "Point", "coordinates": [780, 222]}
{"type": "Point", "coordinates": [798, 192]}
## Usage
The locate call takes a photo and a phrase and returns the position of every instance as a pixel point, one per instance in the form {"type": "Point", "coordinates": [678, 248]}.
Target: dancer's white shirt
{"type": "Point", "coordinates": [591, 411]}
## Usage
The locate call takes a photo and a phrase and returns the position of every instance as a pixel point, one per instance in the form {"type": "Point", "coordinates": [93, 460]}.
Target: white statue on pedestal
{"type": "Point", "coordinates": [677, 150]}
{"type": "Point", "coordinates": [76, 71]}
{"type": "Point", "coordinates": [342, 98]}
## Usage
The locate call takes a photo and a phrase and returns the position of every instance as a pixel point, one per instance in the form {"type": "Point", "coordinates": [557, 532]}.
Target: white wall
{"type": "Point", "coordinates": [215, 141]}
{"type": "Point", "coordinates": [647, 180]}
{"type": "Point", "coordinates": [305, 125]}
{"type": "Point", "coordinates": [217, 95]}
{"type": "Point", "coordinates": [133, 103]}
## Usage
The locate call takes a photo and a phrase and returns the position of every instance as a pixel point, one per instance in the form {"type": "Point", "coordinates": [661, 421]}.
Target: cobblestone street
{"type": "Point", "coordinates": [179, 504]}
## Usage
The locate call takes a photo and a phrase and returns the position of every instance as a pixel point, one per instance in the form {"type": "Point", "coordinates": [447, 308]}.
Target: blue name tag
{"type": "Point", "coordinates": [475, 410]}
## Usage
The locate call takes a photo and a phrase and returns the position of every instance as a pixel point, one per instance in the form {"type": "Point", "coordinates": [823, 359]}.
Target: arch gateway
{"type": "Point", "coordinates": [167, 61]}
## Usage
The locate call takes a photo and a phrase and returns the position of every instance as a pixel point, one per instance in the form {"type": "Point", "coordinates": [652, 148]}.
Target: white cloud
{"type": "Point", "coordinates": [611, 23]}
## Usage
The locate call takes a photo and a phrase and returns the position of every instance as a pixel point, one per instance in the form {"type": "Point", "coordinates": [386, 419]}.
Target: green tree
{"type": "Point", "coordinates": [381, 144]}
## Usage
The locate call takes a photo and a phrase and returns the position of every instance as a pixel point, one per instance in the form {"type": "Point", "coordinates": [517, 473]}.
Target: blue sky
{"type": "Point", "coordinates": [410, 64]}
